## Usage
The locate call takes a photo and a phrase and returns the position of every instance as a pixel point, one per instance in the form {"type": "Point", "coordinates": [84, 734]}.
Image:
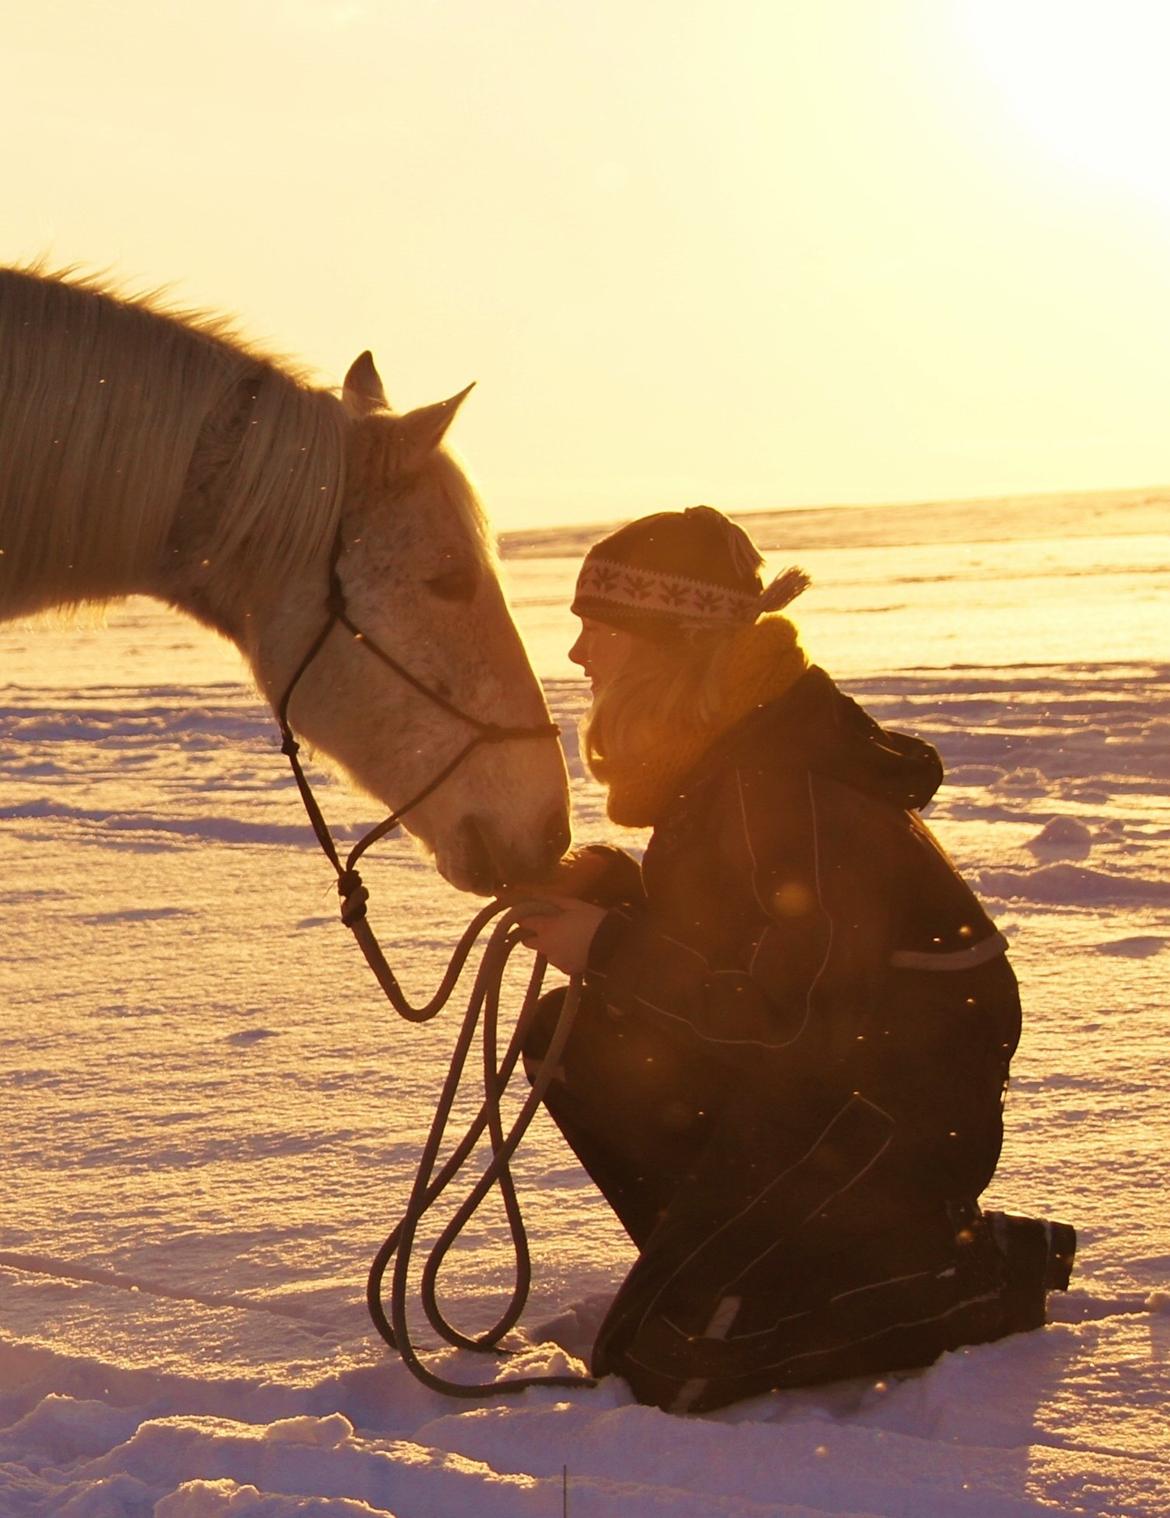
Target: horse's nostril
{"type": "Point", "coordinates": [478, 861]}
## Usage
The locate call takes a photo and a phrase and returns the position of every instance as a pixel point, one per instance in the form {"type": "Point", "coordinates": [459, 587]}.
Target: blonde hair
{"type": "Point", "coordinates": [663, 688]}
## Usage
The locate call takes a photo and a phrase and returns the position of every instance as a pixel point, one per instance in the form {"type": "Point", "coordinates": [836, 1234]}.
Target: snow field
{"type": "Point", "coordinates": [210, 1121]}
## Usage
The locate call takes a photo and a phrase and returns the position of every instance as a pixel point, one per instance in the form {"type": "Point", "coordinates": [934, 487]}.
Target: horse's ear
{"type": "Point", "coordinates": [422, 431]}
{"type": "Point", "coordinates": [362, 391]}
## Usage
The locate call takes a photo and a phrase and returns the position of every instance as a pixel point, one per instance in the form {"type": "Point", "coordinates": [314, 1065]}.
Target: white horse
{"type": "Point", "coordinates": [144, 452]}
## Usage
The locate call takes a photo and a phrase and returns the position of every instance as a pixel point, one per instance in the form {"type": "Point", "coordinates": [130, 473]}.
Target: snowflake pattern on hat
{"type": "Point", "coordinates": [646, 590]}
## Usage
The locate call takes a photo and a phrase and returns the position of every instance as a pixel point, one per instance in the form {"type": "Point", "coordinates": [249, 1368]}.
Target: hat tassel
{"type": "Point", "coordinates": [787, 585]}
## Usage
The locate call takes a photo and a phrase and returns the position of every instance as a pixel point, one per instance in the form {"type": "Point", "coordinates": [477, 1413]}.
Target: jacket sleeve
{"type": "Point", "coordinates": [610, 877]}
{"type": "Point", "coordinates": [730, 955]}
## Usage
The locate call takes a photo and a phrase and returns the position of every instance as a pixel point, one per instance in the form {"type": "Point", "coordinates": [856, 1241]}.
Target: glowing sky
{"type": "Point", "coordinates": [755, 252]}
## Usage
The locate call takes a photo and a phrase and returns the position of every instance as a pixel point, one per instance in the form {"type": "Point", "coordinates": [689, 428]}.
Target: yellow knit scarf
{"type": "Point", "coordinates": [764, 659]}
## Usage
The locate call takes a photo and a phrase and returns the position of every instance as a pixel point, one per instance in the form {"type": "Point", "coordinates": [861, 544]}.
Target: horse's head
{"type": "Point", "coordinates": [418, 578]}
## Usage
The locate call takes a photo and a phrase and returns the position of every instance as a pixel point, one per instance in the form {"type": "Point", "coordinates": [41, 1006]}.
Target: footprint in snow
{"type": "Point", "coordinates": [250, 1035]}
{"type": "Point", "coordinates": [1133, 948]}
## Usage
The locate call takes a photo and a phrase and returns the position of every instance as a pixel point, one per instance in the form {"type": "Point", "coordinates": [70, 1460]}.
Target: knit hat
{"type": "Point", "coordinates": [679, 570]}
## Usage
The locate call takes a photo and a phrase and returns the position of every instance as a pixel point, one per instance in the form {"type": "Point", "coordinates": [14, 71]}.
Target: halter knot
{"type": "Point", "coordinates": [353, 896]}
{"type": "Point", "coordinates": [289, 745]}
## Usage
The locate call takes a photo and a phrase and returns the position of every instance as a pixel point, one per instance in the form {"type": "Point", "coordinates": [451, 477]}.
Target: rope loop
{"type": "Point", "coordinates": [390, 1317]}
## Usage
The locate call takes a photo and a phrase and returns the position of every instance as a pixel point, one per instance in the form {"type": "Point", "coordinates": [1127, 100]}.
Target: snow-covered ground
{"type": "Point", "coordinates": [210, 1119]}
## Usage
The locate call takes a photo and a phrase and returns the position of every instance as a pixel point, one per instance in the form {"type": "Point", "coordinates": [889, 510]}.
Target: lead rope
{"type": "Point", "coordinates": [483, 1006]}
{"type": "Point", "coordinates": [428, 1187]}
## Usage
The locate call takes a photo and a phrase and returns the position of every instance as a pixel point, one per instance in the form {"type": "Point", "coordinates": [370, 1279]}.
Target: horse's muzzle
{"type": "Point", "coordinates": [486, 863]}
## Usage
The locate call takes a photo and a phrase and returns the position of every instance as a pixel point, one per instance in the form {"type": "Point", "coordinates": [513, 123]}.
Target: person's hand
{"type": "Point", "coordinates": [573, 875]}
{"type": "Point", "coordinates": [561, 928]}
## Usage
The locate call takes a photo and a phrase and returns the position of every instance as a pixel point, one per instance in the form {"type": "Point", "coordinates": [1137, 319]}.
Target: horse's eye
{"type": "Point", "coordinates": [455, 584]}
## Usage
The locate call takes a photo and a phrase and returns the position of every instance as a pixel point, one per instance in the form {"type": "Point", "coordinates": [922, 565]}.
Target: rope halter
{"type": "Point", "coordinates": [350, 888]}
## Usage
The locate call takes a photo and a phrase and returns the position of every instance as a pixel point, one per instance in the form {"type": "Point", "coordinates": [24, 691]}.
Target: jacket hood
{"type": "Point", "coordinates": [816, 726]}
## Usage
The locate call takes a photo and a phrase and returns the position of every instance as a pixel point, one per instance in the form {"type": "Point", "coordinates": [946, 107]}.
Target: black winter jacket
{"type": "Point", "coordinates": [801, 957]}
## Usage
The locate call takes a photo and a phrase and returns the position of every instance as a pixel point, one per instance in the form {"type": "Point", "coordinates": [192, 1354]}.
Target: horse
{"type": "Point", "coordinates": [150, 451]}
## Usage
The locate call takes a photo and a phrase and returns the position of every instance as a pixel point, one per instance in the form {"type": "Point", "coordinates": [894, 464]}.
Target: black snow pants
{"type": "Point", "coordinates": [754, 1275]}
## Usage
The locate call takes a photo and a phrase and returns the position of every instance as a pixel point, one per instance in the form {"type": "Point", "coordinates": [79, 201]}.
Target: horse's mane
{"type": "Point", "coordinates": [112, 406]}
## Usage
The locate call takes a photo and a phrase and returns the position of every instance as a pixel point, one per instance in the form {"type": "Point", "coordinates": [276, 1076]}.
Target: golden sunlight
{"type": "Point", "coordinates": [1087, 80]}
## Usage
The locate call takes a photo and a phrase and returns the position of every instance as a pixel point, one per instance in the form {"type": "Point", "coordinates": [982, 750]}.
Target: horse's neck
{"type": "Point", "coordinates": [174, 569]}
{"type": "Point", "coordinates": [42, 588]}
{"type": "Point", "coordinates": [201, 475]}
{"type": "Point", "coordinates": [239, 573]}
{"type": "Point", "coordinates": [191, 573]}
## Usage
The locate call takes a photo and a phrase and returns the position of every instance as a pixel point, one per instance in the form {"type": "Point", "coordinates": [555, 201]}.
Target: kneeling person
{"type": "Point", "coordinates": [788, 1069]}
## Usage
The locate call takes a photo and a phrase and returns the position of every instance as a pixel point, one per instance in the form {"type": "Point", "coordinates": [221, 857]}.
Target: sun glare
{"type": "Point", "coordinates": [1087, 79]}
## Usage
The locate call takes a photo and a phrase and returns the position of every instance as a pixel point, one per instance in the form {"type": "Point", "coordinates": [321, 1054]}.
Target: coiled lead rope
{"type": "Point", "coordinates": [482, 1013]}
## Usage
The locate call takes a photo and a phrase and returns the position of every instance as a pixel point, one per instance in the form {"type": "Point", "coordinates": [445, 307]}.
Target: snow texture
{"type": "Point", "coordinates": [211, 1120]}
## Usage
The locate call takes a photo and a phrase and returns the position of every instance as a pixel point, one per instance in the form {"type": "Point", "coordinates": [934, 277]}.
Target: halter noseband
{"type": "Point", "coordinates": [349, 883]}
